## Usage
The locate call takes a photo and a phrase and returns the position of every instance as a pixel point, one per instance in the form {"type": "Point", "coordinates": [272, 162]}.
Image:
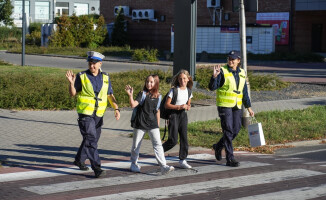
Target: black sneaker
{"type": "Point", "coordinates": [81, 166]}
{"type": "Point", "coordinates": [218, 152]}
{"type": "Point", "coordinates": [98, 173]}
{"type": "Point", "coordinates": [232, 163]}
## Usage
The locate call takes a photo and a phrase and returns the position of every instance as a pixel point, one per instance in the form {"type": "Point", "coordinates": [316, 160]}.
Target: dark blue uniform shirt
{"type": "Point", "coordinates": [218, 82]}
{"type": "Point", "coordinates": [97, 82]}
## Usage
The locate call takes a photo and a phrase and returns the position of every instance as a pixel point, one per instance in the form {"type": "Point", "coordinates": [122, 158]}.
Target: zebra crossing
{"type": "Point", "coordinates": [258, 177]}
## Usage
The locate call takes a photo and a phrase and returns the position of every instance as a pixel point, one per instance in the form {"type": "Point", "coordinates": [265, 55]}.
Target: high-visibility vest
{"type": "Point", "coordinates": [86, 99]}
{"type": "Point", "coordinates": [229, 95]}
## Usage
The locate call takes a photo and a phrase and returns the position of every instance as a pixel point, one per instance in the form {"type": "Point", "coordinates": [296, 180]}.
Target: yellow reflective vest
{"type": "Point", "coordinates": [86, 99]}
{"type": "Point", "coordinates": [229, 95]}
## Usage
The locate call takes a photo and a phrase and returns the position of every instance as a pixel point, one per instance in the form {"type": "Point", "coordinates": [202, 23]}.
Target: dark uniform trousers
{"type": "Point", "coordinates": [231, 124]}
{"type": "Point", "coordinates": [178, 123]}
{"type": "Point", "coordinates": [90, 129]}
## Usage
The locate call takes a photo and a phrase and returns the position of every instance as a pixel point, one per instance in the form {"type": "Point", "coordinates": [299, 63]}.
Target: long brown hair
{"type": "Point", "coordinates": [154, 91]}
{"type": "Point", "coordinates": [175, 81]}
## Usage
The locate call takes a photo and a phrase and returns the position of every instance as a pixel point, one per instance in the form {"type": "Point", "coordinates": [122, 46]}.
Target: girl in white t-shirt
{"type": "Point", "coordinates": [178, 120]}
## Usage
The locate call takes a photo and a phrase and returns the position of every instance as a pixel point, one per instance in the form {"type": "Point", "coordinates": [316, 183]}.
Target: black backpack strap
{"type": "Point", "coordinates": [175, 96]}
{"type": "Point", "coordinates": [189, 93]}
{"type": "Point", "coordinates": [164, 129]}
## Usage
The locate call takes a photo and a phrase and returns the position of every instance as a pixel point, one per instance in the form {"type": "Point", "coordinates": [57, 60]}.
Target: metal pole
{"type": "Point", "coordinates": [245, 113]}
{"type": "Point", "coordinates": [23, 34]}
{"type": "Point", "coordinates": [185, 37]}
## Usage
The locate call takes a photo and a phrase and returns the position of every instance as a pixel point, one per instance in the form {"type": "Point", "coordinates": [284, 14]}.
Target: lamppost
{"type": "Point", "coordinates": [245, 113]}
{"type": "Point", "coordinates": [23, 34]}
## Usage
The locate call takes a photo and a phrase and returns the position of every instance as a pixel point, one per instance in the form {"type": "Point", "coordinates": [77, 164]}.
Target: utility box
{"type": "Point", "coordinates": [143, 14]}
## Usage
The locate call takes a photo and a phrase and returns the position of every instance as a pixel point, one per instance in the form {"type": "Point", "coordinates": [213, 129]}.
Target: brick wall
{"type": "Point", "coordinates": [146, 33]}
{"type": "Point", "coordinates": [302, 29]}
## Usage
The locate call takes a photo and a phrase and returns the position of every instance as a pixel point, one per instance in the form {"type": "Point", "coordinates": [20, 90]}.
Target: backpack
{"type": "Point", "coordinates": [165, 113]}
{"type": "Point", "coordinates": [134, 111]}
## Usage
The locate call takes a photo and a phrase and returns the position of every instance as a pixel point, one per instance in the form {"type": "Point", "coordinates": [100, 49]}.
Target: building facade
{"type": "Point", "coordinates": [46, 10]}
{"type": "Point", "coordinates": [299, 25]}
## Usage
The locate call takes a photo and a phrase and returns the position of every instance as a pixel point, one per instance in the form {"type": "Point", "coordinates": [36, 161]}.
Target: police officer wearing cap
{"type": "Point", "coordinates": [230, 82]}
{"type": "Point", "coordinates": [93, 90]}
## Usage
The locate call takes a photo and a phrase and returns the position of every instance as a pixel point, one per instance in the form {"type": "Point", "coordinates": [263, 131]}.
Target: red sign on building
{"type": "Point", "coordinates": [280, 23]}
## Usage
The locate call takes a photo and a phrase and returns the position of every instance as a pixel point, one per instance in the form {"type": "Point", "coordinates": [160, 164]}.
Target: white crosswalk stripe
{"type": "Point", "coordinates": [209, 186]}
{"type": "Point", "coordinates": [294, 194]}
{"type": "Point", "coordinates": [74, 170]}
{"type": "Point", "coordinates": [104, 182]}
{"type": "Point", "coordinates": [314, 163]}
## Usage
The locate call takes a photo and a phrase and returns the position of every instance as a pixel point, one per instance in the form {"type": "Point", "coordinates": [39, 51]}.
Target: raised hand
{"type": "Point", "coordinates": [129, 90]}
{"type": "Point", "coordinates": [216, 70]}
{"type": "Point", "coordinates": [71, 76]}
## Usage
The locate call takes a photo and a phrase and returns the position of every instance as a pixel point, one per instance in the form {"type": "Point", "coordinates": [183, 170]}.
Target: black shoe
{"type": "Point", "coordinates": [218, 152]}
{"type": "Point", "coordinates": [81, 166]}
{"type": "Point", "coordinates": [98, 173]}
{"type": "Point", "coordinates": [232, 163]}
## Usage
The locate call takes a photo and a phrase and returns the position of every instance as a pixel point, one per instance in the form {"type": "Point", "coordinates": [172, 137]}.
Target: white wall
{"type": "Point", "coordinates": [212, 40]}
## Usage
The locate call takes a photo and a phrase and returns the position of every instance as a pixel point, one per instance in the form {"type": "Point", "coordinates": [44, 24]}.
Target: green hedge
{"type": "Point", "coordinates": [47, 88]}
{"type": "Point", "coordinates": [10, 34]}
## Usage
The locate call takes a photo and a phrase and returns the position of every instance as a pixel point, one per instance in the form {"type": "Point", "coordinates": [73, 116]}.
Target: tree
{"type": "Point", "coordinates": [6, 12]}
{"type": "Point", "coordinates": [101, 31]}
{"type": "Point", "coordinates": [119, 35]}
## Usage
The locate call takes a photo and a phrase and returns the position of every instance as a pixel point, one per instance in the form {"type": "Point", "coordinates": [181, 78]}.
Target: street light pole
{"type": "Point", "coordinates": [245, 113]}
{"type": "Point", "coordinates": [23, 34]}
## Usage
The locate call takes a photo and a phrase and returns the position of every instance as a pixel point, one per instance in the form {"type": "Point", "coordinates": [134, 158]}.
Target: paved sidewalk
{"type": "Point", "coordinates": [51, 138]}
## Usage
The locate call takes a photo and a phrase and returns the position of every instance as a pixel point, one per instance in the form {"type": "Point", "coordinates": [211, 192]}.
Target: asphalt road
{"type": "Point", "coordinates": [288, 71]}
{"type": "Point", "coordinates": [315, 152]}
{"type": "Point", "coordinates": [74, 63]}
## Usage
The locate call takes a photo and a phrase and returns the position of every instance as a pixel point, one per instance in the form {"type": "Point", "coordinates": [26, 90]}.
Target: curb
{"type": "Point", "coordinates": [302, 143]}
{"type": "Point", "coordinates": [105, 59]}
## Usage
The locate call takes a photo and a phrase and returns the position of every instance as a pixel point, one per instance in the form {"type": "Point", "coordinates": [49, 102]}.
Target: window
{"type": "Point", "coordinates": [62, 8]}
{"type": "Point", "coordinates": [18, 9]}
{"type": "Point", "coordinates": [42, 10]}
{"type": "Point", "coordinates": [81, 9]}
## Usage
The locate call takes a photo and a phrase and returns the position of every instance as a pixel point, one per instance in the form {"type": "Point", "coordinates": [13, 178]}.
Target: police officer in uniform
{"type": "Point", "coordinates": [230, 82]}
{"type": "Point", "coordinates": [93, 90]}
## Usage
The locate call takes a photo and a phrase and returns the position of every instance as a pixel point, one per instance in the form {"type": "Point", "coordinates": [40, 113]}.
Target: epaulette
{"type": "Point", "coordinates": [105, 73]}
{"type": "Point", "coordinates": [80, 73]}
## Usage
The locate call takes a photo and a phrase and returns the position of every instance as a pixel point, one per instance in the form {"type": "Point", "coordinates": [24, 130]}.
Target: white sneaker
{"type": "Point", "coordinates": [166, 169]}
{"type": "Point", "coordinates": [134, 168]}
{"type": "Point", "coordinates": [183, 164]}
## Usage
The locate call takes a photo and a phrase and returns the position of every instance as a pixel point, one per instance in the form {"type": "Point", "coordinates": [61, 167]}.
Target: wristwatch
{"type": "Point", "coordinates": [117, 109]}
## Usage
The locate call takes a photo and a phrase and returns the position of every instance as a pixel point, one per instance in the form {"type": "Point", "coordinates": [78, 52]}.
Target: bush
{"type": "Point", "coordinates": [35, 27]}
{"type": "Point", "coordinates": [79, 31]}
{"type": "Point", "coordinates": [29, 90]}
{"type": "Point", "coordinates": [145, 55]}
{"type": "Point", "coordinates": [62, 37]}
{"type": "Point", "coordinates": [119, 35]}
{"type": "Point", "coordinates": [10, 34]}
{"type": "Point", "coordinates": [34, 38]}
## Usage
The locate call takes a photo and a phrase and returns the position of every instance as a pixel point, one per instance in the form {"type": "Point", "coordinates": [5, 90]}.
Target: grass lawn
{"type": "Point", "coordinates": [279, 127]}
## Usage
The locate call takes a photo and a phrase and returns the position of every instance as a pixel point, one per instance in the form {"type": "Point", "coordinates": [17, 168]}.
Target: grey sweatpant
{"type": "Point", "coordinates": [154, 134]}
